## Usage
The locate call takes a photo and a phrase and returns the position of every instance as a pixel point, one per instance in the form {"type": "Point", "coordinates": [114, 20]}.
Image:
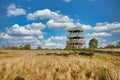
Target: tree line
{"type": "Point", "coordinates": [93, 43]}
{"type": "Point", "coordinates": [21, 47]}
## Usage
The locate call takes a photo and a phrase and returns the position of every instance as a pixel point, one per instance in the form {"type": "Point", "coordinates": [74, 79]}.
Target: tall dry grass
{"type": "Point", "coordinates": [33, 67]}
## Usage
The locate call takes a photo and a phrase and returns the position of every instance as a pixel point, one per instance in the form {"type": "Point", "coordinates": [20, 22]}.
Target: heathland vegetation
{"type": "Point", "coordinates": [28, 65]}
{"type": "Point", "coordinates": [22, 63]}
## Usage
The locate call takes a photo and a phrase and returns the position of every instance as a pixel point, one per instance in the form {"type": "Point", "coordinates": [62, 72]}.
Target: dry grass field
{"type": "Point", "coordinates": [31, 66]}
{"type": "Point", "coordinates": [117, 50]}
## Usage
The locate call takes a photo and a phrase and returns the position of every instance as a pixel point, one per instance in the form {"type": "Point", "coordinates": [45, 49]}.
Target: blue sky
{"type": "Point", "coordinates": [45, 22]}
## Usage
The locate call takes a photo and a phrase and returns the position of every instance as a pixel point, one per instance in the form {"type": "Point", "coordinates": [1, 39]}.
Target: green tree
{"type": "Point", "coordinates": [118, 44]}
{"type": "Point", "coordinates": [27, 47]}
{"type": "Point", "coordinates": [3, 47]}
{"type": "Point", "coordinates": [93, 43]}
{"type": "Point", "coordinates": [13, 47]}
{"type": "Point", "coordinates": [110, 46]}
{"type": "Point", "coordinates": [39, 48]}
{"type": "Point", "coordinates": [21, 47]}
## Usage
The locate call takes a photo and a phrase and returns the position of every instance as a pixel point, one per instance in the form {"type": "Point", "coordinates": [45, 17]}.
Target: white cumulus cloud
{"type": "Point", "coordinates": [29, 29]}
{"type": "Point", "coordinates": [56, 38]}
{"type": "Point", "coordinates": [67, 1]}
{"type": "Point", "coordinates": [40, 37]}
{"type": "Point", "coordinates": [55, 42]}
{"type": "Point", "coordinates": [92, 0]}
{"type": "Point", "coordinates": [18, 30]}
{"type": "Point", "coordinates": [39, 26]}
{"type": "Point", "coordinates": [60, 25]}
{"type": "Point", "coordinates": [12, 10]}
{"type": "Point", "coordinates": [56, 20]}
{"type": "Point", "coordinates": [5, 36]}
{"type": "Point", "coordinates": [42, 14]}
{"type": "Point", "coordinates": [59, 38]}
{"type": "Point", "coordinates": [51, 44]}
{"type": "Point", "coordinates": [48, 14]}
{"type": "Point", "coordinates": [85, 27]}
{"type": "Point", "coordinates": [99, 34]}
{"type": "Point", "coordinates": [107, 26]}
{"type": "Point", "coordinates": [116, 31]}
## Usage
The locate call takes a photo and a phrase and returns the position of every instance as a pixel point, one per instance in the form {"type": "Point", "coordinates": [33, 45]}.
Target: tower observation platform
{"type": "Point", "coordinates": [75, 38]}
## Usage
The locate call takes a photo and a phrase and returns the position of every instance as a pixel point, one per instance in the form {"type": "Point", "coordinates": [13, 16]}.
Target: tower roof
{"type": "Point", "coordinates": [75, 29]}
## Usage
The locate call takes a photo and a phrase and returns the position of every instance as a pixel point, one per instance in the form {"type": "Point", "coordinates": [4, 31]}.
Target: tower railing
{"type": "Point", "coordinates": [75, 35]}
{"type": "Point", "coordinates": [76, 41]}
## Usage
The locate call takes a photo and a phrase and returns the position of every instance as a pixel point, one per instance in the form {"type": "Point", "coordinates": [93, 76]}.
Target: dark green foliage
{"type": "Point", "coordinates": [11, 48]}
{"type": "Point", "coordinates": [21, 47]}
{"type": "Point", "coordinates": [110, 46]}
{"type": "Point", "coordinates": [19, 78]}
{"type": "Point", "coordinates": [27, 47]}
{"type": "Point", "coordinates": [93, 43]}
{"type": "Point", "coordinates": [39, 48]}
{"type": "Point", "coordinates": [118, 45]}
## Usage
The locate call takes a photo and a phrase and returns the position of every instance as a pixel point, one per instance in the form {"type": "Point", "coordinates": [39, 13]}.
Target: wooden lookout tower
{"type": "Point", "coordinates": [75, 38]}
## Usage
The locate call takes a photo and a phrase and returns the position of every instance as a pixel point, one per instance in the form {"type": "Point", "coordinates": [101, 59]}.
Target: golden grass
{"type": "Point", "coordinates": [28, 65]}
